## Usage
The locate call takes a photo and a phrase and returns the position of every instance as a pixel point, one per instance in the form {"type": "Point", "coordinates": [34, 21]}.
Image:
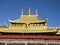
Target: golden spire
{"type": "Point", "coordinates": [46, 19]}
{"type": "Point", "coordinates": [4, 23]}
{"type": "Point", "coordinates": [29, 12]}
{"type": "Point", "coordinates": [36, 12]}
{"type": "Point", "coordinates": [21, 12]}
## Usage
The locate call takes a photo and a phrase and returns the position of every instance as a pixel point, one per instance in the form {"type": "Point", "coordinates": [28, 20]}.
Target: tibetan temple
{"type": "Point", "coordinates": [29, 30]}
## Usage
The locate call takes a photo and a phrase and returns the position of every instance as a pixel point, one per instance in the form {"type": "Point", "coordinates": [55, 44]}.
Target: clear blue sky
{"type": "Point", "coordinates": [10, 9]}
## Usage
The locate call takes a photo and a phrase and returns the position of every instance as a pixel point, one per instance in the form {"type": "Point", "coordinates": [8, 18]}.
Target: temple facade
{"type": "Point", "coordinates": [28, 24]}
{"type": "Point", "coordinates": [29, 30]}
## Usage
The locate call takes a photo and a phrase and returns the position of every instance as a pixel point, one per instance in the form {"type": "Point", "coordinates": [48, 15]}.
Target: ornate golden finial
{"type": "Point", "coordinates": [29, 12]}
{"type": "Point", "coordinates": [4, 23]}
{"type": "Point", "coordinates": [0, 24]}
{"type": "Point", "coordinates": [36, 13]}
{"type": "Point", "coordinates": [46, 19]}
{"type": "Point", "coordinates": [21, 12]}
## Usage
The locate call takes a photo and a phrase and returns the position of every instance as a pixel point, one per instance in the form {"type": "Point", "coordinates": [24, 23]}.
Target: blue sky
{"type": "Point", "coordinates": [10, 9]}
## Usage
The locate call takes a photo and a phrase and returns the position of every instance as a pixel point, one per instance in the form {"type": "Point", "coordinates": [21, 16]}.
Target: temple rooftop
{"type": "Point", "coordinates": [29, 18]}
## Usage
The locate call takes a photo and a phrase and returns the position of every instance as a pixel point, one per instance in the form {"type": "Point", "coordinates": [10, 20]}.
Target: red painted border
{"type": "Point", "coordinates": [29, 36]}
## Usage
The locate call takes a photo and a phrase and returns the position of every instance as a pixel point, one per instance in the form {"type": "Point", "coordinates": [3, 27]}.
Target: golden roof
{"type": "Point", "coordinates": [28, 18]}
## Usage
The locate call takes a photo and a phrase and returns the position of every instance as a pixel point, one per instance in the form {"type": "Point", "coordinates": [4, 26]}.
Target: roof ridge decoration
{"type": "Point", "coordinates": [22, 12]}
{"type": "Point", "coordinates": [28, 18]}
{"type": "Point", "coordinates": [29, 12]}
{"type": "Point", "coordinates": [36, 12]}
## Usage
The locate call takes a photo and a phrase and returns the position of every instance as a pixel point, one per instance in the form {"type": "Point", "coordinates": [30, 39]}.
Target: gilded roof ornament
{"type": "Point", "coordinates": [21, 12]}
{"type": "Point", "coordinates": [46, 19]}
{"type": "Point", "coordinates": [29, 12]}
{"type": "Point", "coordinates": [36, 13]}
